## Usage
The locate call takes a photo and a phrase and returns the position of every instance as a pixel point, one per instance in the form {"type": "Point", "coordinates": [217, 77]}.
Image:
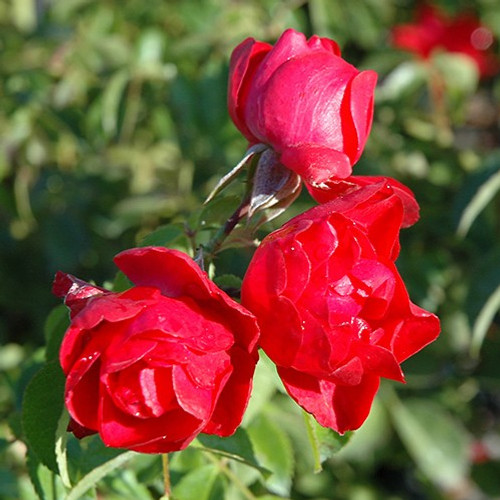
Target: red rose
{"type": "Point", "coordinates": [381, 186]}
{"type": "Point", "coordinates": [433, 30]}
{"type": "Point", "coordinates": [334, 313]}
{"type": "Point", "coordinates": [303, 100]}
{"type": "Point", "coordinates": [151, 367]}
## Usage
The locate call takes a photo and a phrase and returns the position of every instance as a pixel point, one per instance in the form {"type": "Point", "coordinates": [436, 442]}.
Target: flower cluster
{"type": "Point", "coordinates": [173, 356]}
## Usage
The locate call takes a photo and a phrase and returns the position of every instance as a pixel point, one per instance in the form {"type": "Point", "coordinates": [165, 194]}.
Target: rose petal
{"type": "Point", "coordinates": [342, 408]}
{"type": "Point", "coordinates": [157, 435]}
{"type": "Point", "coordinates": [245, 61]}
{"type": "Point", "coordinates": [234, 398]}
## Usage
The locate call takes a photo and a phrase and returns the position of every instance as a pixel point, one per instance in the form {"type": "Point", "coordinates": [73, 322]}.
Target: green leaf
{"type": "Point", "coordinates": [121, 282]}
{"type": "Point", "coordinates": [265, 384]}
{"type": "Point", "coordinates": [111, 99]}
{"type": "Point", "coordinates": [164, 236]}
{"type": "Point", "coordinates": [438, 443]}
{"type": "Point", "coordinates": [60, 448]}
{"type": "Point", "coordinates": [459, 72]}
{"type": "Point", "coordinates": [87, 454]}
{"type": "Point", "coordinates": [484, 321]}
{"type": "Point", "coordinates": [236, 447]}
{"type": "Point", "coordinates": [483, 196]}
{"type": "Point", "coordinates": [42, 408]}
{"type": "Point", "coordinates": [92, 478]}
{"type": "Point", "coordinates": [46, 483]}
{"type": "Point", "coordinates": [200, 484]}
{"type": "Point", "coordinates": [218, 211]}
{"type": "Point", "coordinates": [55, 327]}
{"type": "Point", "coordinates": [228, 282]}
{"type": "Point", "coordinates": [402, 81]}
{"type": "Point", "coordinates": [230, 176]}
{"type": "Point", "coordinates": [271, 497]}
{"type": "Point", "coordinates": [273, 450]}
{"type": "Point", "coordinates": [324, 442]}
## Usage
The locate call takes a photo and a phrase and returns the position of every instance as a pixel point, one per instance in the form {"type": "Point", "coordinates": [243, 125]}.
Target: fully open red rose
{"type": "Point", "coordinates": [334, 313]}
{"type": "Point", "coordinates": [151, 367]}
{"type": "Point", "coordinates": [434, 30]}
{"type": "Point", "coordinates": [303, 100]}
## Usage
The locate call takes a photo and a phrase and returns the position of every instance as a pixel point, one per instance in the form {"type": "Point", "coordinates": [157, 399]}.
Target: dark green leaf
{"type": "Point", "coordinates": [218, 211]}
{"type": "Point", "coordinates": [55, 328]}
{"type": "Point", "coordinates": [164, 236]}
{"type": "Point", "coordinates": [228, 282]}
{"type": "Point", "coordinates": [42, 408]}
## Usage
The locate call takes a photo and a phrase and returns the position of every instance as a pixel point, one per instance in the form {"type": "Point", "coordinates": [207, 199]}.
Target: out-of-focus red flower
{"type": "Point", "coordinates": [434, 30]}
{"type": "Point", "coordinates": [303, 100]}
{"type": "Point", "coordinates": [333, 310]}
{"type": "Point", "coordinates": [152, 367]}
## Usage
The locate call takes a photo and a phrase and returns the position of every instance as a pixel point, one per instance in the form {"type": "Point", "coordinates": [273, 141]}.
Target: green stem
{"type": "Point", "coordinates": [232, 477]}
{"type": "Point", "coordinates": [208, 251]}
{"type": "Point", "coordinates": [213, 246]}
{"type": "Point", "coordinates": [166, 477]}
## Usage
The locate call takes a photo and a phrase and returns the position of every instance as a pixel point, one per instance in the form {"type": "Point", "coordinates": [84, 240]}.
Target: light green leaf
{"type": "Point", "coordinates": [484, 321]}
{"type": "Point", "coordinates": [478, 203]}
{"type": "Point", "coordinates": [403, 80]}
{"type": "Point", "coordinates": [271, 497]}
{"type": "Point", "coordinates": [237, 447]}
{"type": "Point", "coordinates": [437, 442]}
{"type": "Point", "coordinates": [265, 384]}
{"type": "Point", "coordinates": [60, 448]}
{"type": "Point", "coordinates": [459, 72]}
{"type": "Point", "coordinates": [111, 99]}
{"type": "Point", "coordinates": [324, 442]}
{"type": "Point", "coordinates": [46, 483]}
{"type": "Point", "coordinates": [91, 479]}
{"type": "Point", "coordinates": [42, 408]}
{"type": "Point", "coordinates": [273, 450]}
{"type": "Point", "coordinates": [198, 484]}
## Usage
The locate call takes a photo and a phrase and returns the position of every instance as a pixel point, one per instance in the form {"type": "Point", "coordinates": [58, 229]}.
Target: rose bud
{"type": "Point", "coordinates": [333, 310]}
{"type": "Point", "coordinates": [152, 367]}
{"type": "Point", "coordinates": [304, 101]}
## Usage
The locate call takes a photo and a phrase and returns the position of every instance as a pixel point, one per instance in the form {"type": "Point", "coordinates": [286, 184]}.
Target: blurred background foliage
{"type": "Point", "coordinates": [113, 122]}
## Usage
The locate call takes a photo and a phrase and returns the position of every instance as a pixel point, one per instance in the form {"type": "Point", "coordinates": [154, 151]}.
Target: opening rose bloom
{"type": "Point", "coordinates": [336, 188]}
{"type": "Point", "coordinates": [334, 313]}
{"type": "Point", "coordinates": [151, 367]}
{"type": "Point", "coordinates": [434, 31]}
{"type": "Point", "coordinates": [302, 99]}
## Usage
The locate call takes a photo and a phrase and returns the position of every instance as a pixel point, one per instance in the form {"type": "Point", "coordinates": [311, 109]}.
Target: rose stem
{"type": "Point", "coordinates": [232, 476]}
{"type": "Point", "coordinates": [213, 246]}
{"type": "Point", "coordinates": [166, 476]}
